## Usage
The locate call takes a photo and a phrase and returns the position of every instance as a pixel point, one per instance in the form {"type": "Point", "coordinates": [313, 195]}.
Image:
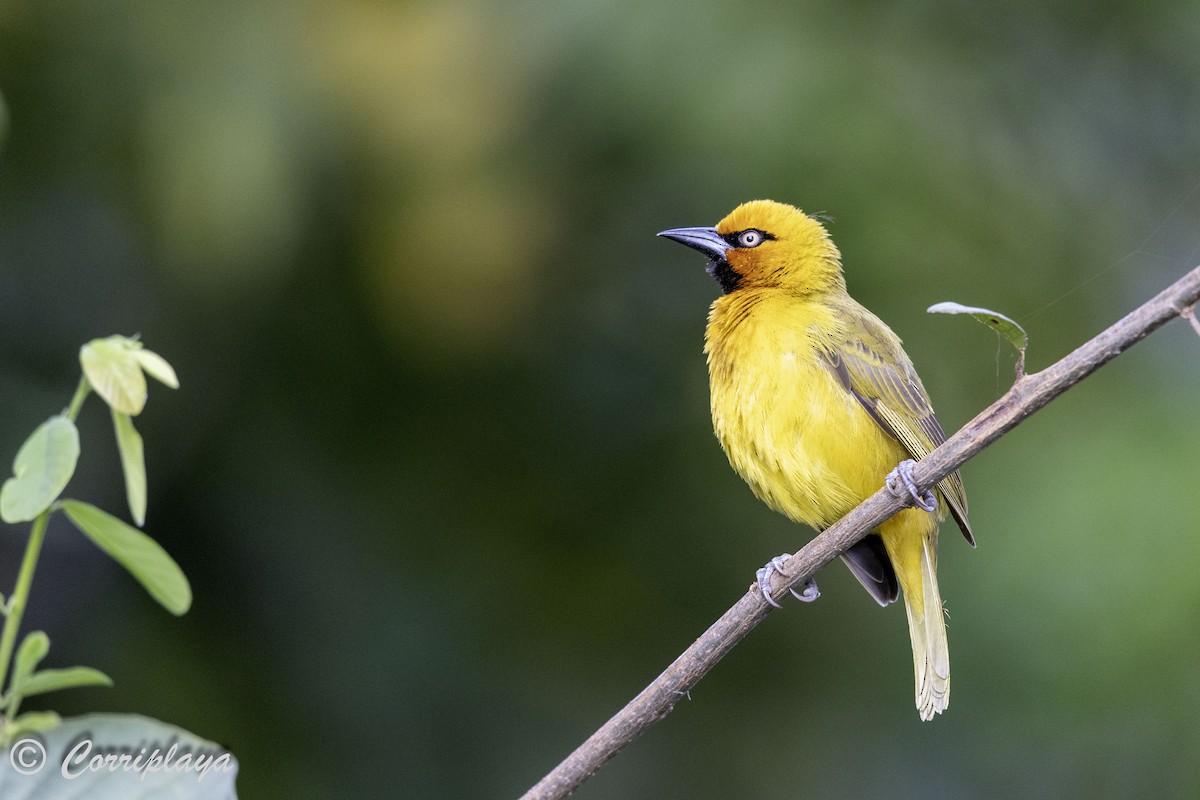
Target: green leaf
{"type": "Point", "coordinates": [157, 367]}
{"type": "Point", "coordinates": [998, 322]}
{"type": "Point", "coordinates": [133, 464]}
{"type": "Point", "coordinates": [51, 680]}
{"type": "Point", "coordinates": [136, 552]}
{"type": "Point", "coordinates": [112, 368]}
{"type": "Point", "coordinates": [26, 681]}
{"type": "Point", "coordinates": [43, 467]}
{"type": "Point", "coordinates": [31, 652]}
{"type": "Point", "coordinates": [1013, 333]}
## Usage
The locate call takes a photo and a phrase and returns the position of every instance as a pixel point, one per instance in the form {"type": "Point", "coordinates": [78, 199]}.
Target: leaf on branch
{"type": "Point", "coordinates": [43, 467]}
{"type": "Point", "coordinates": [136, 552]}
{"type": "Point", "coordinates": [157, 367]}
{"type": "Point", "coordinates": [31, 652]}
{"type": "Point", "coordinates": [133, 464]}
{"type": "Point", "coordinates": [114, 372]}
{"type": "Point", "coordinates": [51, 680]}
{"type": "Point", "coordinates": [116, 369]}
{"type": "Point", "coordinates": [1008, 328]}
{"type": "Point", "coordinates": [27, 681]}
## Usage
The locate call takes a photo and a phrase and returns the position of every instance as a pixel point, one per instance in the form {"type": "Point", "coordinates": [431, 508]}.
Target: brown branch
{"type": "Point", "coordinates": [1025, 397]}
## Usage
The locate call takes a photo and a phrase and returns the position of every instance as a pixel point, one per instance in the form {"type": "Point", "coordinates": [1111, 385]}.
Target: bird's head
{"type": "Point", "coordinates": [767, 244]}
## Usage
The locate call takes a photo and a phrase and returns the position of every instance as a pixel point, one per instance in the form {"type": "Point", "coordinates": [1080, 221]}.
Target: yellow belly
{"type": "Point", "coordinates": [794, 434]}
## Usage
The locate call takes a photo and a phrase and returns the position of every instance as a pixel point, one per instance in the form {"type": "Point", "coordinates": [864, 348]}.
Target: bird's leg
{"type": "Point", "coordinates": [810, 593]}
{"type": "Point", "coordinates": [900, 483]}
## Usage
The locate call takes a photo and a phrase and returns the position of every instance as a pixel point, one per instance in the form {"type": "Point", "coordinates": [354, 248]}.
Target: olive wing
{"type": "Point", "coordinates": [875, 369]}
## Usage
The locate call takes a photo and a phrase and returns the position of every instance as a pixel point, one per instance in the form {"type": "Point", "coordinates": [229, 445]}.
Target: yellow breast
{"type": "Point", "coordinates": [795, 435]}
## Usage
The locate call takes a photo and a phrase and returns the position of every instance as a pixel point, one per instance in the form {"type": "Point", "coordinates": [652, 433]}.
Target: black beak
{"type": "Point", "coordinates": [706, 240]}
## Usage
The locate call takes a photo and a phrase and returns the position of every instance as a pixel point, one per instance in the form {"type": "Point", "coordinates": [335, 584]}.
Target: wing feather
{"type": "Point", "coordinates": [874, 368]}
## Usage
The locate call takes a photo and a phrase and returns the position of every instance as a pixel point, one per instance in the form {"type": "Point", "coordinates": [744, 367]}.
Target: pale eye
{"type": "Point", "coordinates": [750, 238]}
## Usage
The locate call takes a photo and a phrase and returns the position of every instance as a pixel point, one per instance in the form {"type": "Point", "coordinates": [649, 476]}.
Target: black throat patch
{"type": "Point", "coordinates": [724, 274]}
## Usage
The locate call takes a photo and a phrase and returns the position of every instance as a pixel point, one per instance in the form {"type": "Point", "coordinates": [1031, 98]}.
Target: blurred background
{"type": "Point", "coordinates": [441, 468]}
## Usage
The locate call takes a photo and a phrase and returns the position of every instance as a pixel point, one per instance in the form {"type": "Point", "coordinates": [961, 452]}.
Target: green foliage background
{"type": "Point", "coordinates": [441, 470]}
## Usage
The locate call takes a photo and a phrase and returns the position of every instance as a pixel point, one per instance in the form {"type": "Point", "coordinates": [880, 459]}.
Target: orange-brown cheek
{"type": "Point", "coordinates": [741, 262]}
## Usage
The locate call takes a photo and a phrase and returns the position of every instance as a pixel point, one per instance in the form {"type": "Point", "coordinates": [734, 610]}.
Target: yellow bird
{"type": "Point", "coordinates": [816, 403]}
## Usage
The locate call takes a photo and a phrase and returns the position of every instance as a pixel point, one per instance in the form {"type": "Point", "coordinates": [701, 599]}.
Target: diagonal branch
{"type": "Point", "coordinates": [1026, 396]}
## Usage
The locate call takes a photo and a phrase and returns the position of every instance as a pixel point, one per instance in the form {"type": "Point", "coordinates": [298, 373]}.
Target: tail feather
{"type": "Point", "coordinates": [927, 628]}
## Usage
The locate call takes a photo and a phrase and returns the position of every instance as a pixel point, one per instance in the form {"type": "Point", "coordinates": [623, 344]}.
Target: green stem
{"type": "Point", "coordinates": [81, 393]}
{"type": "Point", "coordinates": [33, 549]}
{"type": "Point", "coordinates": [20, 595]}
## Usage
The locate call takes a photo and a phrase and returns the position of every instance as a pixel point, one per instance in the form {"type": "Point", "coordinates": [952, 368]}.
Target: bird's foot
{"type": "Point", "coordinates": [810, 592]}
{"type": "Point", "coordinates": [901, 484]}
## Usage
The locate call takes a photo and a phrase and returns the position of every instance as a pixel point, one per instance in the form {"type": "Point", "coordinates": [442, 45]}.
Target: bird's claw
{"type": "Point", "coordinates": [809, 593]}
{"type": "Point", "coordinates": [901, 484]}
